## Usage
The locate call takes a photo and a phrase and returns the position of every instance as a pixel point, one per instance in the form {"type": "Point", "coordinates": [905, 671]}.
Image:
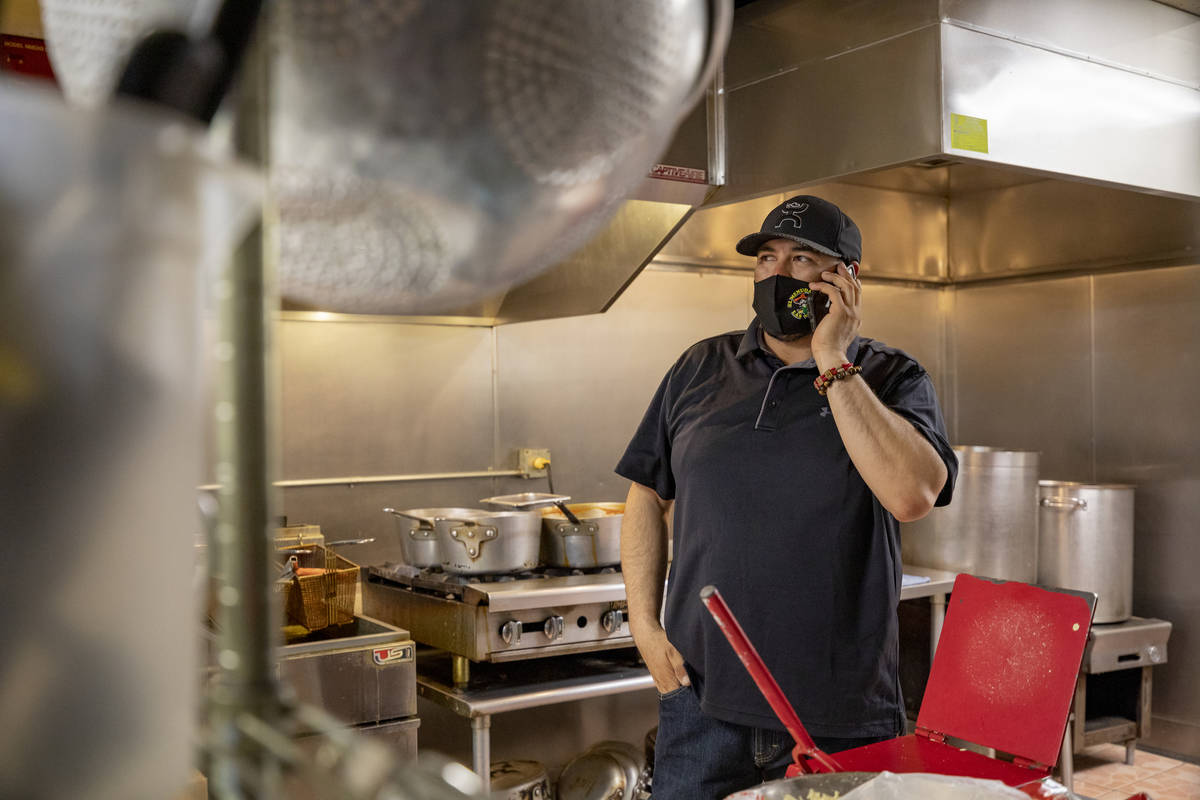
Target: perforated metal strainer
{"type": "Point", "coordinates": [427, 154]}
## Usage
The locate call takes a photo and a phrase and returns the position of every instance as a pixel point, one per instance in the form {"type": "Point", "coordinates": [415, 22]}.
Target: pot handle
{"type": "Point", "coordinates": [456, 521]}
{"type": "Point", "coordinates": [1069, 504]}
{"type": "Point", "coordinates": [425, 520]}
{"type": "Point", "coordinates": [472, 544]}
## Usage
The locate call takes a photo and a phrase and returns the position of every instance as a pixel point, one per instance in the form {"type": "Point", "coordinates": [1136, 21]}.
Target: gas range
{"type": "Point", "coordinates": [1135, 642]}
{"type": "Point", "coordinates": [501, 618]}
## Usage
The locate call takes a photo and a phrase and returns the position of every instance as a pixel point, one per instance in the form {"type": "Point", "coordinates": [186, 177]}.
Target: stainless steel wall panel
{"type": "Point", "coordinates": [874, 107]}
{"type": "Point", "coordinates": [1148, 434]}
{"type": "Point", "coordinates": [1049, 226]}
{"type": "Point", "coordinates": [1069, 116]}
{"type": "Point", "coordinates": [914, 320]}
{"type": "Point", "coordinates": [1147, 375]}
{"type": "Point", "coordinates": [1165, 565]}
{"type": "Point", "coordinates": [580, 386]}
{"type": "Point", "coordinates": [1024, 372]}
{"type": "Point", "coordinates": [383, 398]}
{"type": "Point", "coordinates": [1142, 36]}
{"type": "Point", "coordinates": [904, 233]}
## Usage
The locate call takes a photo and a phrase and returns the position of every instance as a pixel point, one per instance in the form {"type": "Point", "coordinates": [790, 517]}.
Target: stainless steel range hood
{"type": "Point", "coordinates": [971, 139]}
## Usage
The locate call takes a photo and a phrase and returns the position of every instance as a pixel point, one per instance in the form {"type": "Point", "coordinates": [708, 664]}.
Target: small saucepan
{"type": "Point", "coordinates": [594, 542]}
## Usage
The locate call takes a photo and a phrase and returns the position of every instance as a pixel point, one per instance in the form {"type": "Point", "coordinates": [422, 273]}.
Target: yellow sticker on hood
{"type": "Point", "coordinates": [968, 133]}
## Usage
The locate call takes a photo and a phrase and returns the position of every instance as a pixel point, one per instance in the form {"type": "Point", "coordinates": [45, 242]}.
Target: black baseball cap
{"type": "Point", "coordinates": [810, 221]}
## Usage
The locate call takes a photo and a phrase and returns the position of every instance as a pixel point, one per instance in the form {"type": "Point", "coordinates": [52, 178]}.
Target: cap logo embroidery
{"type": "Point", "coordinates": [791, 215]}
{"type": "Point", "coordinates": [797, 303]}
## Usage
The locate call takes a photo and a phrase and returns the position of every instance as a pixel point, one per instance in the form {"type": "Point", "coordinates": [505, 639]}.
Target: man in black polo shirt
{"type": "Point", "coordinates": [788, 455]}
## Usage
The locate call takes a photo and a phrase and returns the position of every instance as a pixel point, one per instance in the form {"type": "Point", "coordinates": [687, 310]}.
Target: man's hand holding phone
{"type": "Point", "coordinates": [836, 314]}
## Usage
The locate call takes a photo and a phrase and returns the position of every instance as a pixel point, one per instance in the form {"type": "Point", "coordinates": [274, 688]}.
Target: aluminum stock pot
{"type": "Point", "coordinates": [1085, 541]}
{"type": "Point", "coordinates": [488, 542]}
{"type": "Point", "coordinates": [418, 537]}
{"type": "Point", "coordinates": [594, 542]}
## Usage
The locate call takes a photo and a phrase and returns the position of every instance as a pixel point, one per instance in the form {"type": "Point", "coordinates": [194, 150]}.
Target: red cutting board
{"type": "Point", "coordinates": [1004, 672]}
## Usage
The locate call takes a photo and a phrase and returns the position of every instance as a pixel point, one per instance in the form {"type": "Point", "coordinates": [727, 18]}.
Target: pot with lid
{"type": "Point", "coordinates": [593, 541]}
{"type": "Point", "coordinates": [1086, 542]}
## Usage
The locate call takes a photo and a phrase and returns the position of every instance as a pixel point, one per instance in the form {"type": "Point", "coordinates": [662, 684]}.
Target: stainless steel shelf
{"type": "Point", "coordinates": [534, 684]}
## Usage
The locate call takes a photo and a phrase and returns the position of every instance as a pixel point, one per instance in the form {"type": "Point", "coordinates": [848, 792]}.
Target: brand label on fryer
{"type": "Point", "coordinates": [390, 655]}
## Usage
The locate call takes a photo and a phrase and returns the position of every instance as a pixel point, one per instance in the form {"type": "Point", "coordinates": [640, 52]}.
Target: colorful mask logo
{"type": "Point", "coordinates": [797, 303]}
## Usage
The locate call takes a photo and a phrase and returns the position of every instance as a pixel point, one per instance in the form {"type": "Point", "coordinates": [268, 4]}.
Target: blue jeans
{"type": "Point", "coordinates": [697, 757]}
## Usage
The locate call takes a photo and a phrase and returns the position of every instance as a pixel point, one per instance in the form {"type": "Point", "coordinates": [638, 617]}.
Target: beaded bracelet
{"type": "Point", "coordinates": [834, 374]}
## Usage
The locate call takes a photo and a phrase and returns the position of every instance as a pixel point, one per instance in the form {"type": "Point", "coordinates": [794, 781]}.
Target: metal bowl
{"type": "Point", "coordinates": [832, 784]}
{"type": "Point", "coordinates": [427, 155]}
{"type": "Point", "coordinates": [519, 780]}
{"type": "Point", "coordinates": [594, 775]}
{"type": "Point", "coordinates": [631, 760]}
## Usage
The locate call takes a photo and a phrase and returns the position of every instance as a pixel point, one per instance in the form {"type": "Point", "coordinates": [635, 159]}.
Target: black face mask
{"type": "Point", "coordinates": [783, 306]}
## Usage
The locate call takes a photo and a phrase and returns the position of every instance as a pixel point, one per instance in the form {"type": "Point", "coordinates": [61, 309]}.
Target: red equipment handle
{"type": "Point", "coordinates": [806, 754]}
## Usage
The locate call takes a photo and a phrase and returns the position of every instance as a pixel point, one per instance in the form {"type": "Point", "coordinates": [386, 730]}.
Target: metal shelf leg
{"type": "Point", "coordinates": [481, 750]}
{"type": "Point", "coordinates": [1066, 761]}
{"type": "Point", "coordinates": [937, 617]}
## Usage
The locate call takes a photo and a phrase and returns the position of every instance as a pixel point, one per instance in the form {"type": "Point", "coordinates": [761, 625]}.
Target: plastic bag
{"type": "Point", "coordinates": [926, 786]}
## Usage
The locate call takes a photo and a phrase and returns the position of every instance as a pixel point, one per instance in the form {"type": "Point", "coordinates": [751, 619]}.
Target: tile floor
{"type": "Point", "coordinates": [1102, 774]}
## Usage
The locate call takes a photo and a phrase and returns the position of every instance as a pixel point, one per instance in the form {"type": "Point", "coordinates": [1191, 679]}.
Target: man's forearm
{"type": "Point", "coordinates": [644, 554]}
{"type": "Point", "coordinates": [902, 469]}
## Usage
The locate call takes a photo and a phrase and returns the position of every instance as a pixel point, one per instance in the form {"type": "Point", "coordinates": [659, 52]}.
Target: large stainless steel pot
{"type": "Point", "coordinates": [418, 537]}
{"type": "Point", "coordinates": [594, 542]}
{"type": "Point", "coordinates": [1086, 542]}
{"type": "Point", "coordinates": [488, 542]}
{"type": "Point", "coordinates": [990, 528]}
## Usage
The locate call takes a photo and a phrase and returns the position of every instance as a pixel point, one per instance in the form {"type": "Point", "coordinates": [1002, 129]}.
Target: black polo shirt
{"type": "Point", "coordinates": [770, 510]}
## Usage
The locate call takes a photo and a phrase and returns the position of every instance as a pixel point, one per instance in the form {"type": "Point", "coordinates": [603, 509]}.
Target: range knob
{"type": "Point", "coordinates": [612, 620]}
{"type": "Point", "coordinates": [553, 627]}
{"type": "Point", "coordinates": [510, 632]}
{"type": "Point", "coordinates": [1155, 654]}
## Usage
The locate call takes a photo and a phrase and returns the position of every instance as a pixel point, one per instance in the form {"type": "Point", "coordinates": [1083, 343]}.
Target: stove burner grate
{"type": "Point", "coordinates": [434, 579]}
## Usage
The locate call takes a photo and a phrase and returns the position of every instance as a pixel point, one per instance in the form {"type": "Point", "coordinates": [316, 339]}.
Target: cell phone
{"type": "Point", "coordinates": [818, 307]}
